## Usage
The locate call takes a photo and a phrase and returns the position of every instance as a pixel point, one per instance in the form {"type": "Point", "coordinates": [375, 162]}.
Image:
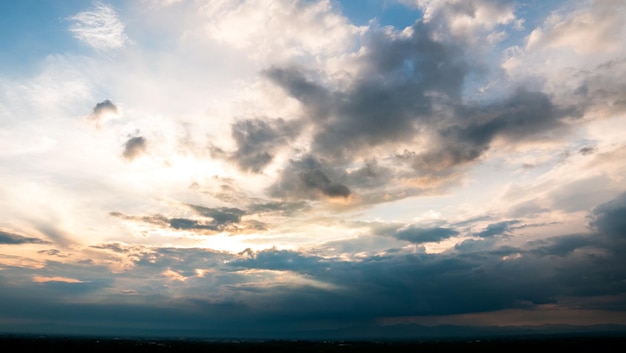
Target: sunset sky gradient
{"type": "Point", "coordinates": [258, 167]}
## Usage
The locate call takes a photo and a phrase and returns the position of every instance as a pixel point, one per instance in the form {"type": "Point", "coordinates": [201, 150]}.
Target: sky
{"type": "Point", "coordinates": [311, 167]}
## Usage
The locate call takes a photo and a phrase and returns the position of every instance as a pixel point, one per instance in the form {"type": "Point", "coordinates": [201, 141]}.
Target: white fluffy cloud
{"type": "Point", "coordinates": [280, 30]}
{"type": "Point", "coordinates": [99, 28]}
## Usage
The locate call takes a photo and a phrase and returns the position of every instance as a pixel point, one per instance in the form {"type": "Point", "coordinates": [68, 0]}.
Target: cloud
{"type": "Point", "coordinates": [419, 235]}
{"type": "Point", "coordinates": [221, 216]}
{"type": "Point", "coordinates": [105, 106]}
{"type": "Point", "coordinates": [609, 219]}
{"type": "Point", "coordinates": [431, 284]}
{"type": "Point", "coordinates": [116, 246]}
{"type": "Point", "coordinates": [177, 223]}
{"type": "Point", "coordinates": [213, 220]}
{"type": "Point", "coordinates": [495, 229]}
{"type": "Point", "coordinates": [258, 139]}
{"type": "Point", "coordinates": [53, 252]}
{"type": "Point", "coordinates": [407, 95]}
{"type": "Point", "coordinates": [191, 224]}
{"type": "Point", "coordinates": [523, 115]}
{"type": "Point", "coordinates": [279, 30]}
{"type": "Point", "coordinates": [10, 238]}
{"type": "Point", "coordinates": [602, 88]}
{"type": "Point", "coordinates": [466, 19]}
{"type": "Point", "coordinates": [281, 207]}
{"type": "Point", "coordinates": [134, 147]}
{"type": "Point", "coordinates": [600, 29]}
{"type": "Point", "coordinates": [402, 285]}
{"type": "Point", "coordinates": [307, 178]}
{"type": "Point", "coordinates": [279, 260]}
{"type": "Point", "coordinates": [99, 28]}
{"type": "Point", "coordinates": [587, 150]}
{"type": "Point", "coordinates": [562, 245]}
{"type": "Point", "coordinates": [273, 286]}
{"type": "Point", "coordinates": [387, 98]}
{"type": "Point", "coordinates": [316, 179]}
{"type": "Point", "coordinates": [102, 109]}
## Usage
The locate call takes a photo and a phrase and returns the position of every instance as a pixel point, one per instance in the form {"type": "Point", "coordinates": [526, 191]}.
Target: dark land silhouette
{"type": "Point", "coordinates": [592, 343]}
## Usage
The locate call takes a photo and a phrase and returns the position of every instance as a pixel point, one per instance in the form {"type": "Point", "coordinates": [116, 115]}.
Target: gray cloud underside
{"type": "Point", "coordinates": [577, 268]}
{"type": "Point", "coordinates": [278, 207]}
{"type": "Point", "coordinates": [222, 218]}
{"type": "Point", "coordinates": [308, 178]}
{"type": "Point", "coordinates": [9, 238]}
{"type": "Point", "coordinates": [496, 229]}
{"type": "Point", "coordinates": [175, 223]}
{"type": "Point", "coordinates": [423, 284]}
{"type": "Point", "coordinates": [134, 147]}
{"type": "Point", "coordinates": [105, 106]}
{"type": "Point", "coordinates": [466, 279]}
{"type": "Point", "coordinates": [604, 86]}
{"type": "Point", "coordinates": [408, 92]}
{"type": "Point", "coordinates": [213, 220]}
{"type": "Point", "coordinates": [222, 215]}
{"type": "Point", "coordinates": [418, 235]}
{"type": "Point", "coordinates": [102, 108]}
{"type": "Point", "coordinates": [258, 139]}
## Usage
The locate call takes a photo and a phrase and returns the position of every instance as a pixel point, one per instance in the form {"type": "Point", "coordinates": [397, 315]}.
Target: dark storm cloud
{"type": "Point", "coordinates": [385, 101]}
{"type": "Point", "coordinates": [369, 176]}
{"type": "Point", "coordinates": [475, 280]}
{"type": "Point", "coordinates": [184, 261]}
{"type": "Point", "coordinates": [563, 245]}
{"type": "Point", "coordinates": [407, 284]}
{"type": "Point", "coordinates": [134, 147]}
{"type": "Point", "coordinates": [472, 245]}
{"type": "Point", "coordinates": [609, 219]}
{"type": "Point", "coordinates": [496, 229]}
{"type": "Point", "coordinates": [9, 238]}
{"type": "Point", "coordinates": [476, 277]}
{"type": "Point", "coordinates": [522, 115]}
{"type": "Point", "coordinates": [316, 179]}
{"type": "Point", "coordinates": [308, 178]}
{"type": "Point", "coordinates": [313, 96]}
{"type": "Point", "coordinates": [280, 260]}
{"type": "Point", "coordinates": [258, 139]}
{"type": "Point", "coordinates": [419, 235]}
{"type": "Point", "coordinates": [608, 226]}
{"type": "Point", "coordinates": [407, 91]}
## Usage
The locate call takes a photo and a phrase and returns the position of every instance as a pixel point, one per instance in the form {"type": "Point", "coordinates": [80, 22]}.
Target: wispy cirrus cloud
{"type": "Point", "coordinates": [100, 28]}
